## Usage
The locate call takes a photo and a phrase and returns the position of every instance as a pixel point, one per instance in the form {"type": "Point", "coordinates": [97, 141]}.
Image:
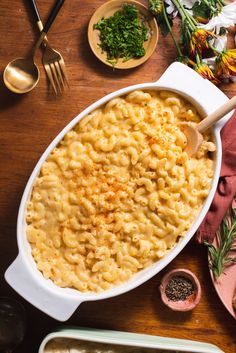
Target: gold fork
{"type": "Point", "coordinates": [53, 61]}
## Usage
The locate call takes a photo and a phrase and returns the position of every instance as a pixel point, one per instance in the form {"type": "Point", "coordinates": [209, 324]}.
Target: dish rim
{"type": "Point", "coordinates": [130, 339]}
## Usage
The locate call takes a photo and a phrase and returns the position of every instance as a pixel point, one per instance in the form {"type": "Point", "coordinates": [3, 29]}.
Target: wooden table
{"type": "Point", "coordinates": [29, 122]}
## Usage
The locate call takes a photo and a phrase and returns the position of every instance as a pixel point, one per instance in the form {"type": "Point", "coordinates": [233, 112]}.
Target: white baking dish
{"type": "Point", "coordinates": [130, 339]}
{"type": "Point", "coordinates": [60, 303]}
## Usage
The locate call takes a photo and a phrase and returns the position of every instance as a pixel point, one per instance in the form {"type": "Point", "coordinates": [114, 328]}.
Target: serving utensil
{"type": "Point", "coordinates": [22, 74]}
{"type": "Point", "coordinates": [53, 61]}
{"type": "Point", "coordinates": [194, 133]}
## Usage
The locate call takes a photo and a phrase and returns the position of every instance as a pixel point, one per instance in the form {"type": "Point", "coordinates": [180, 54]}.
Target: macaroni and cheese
{"type": "Point", "coordinates": [118, 191]}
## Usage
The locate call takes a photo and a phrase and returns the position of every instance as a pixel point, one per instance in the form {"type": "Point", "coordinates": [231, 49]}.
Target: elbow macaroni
{"type": "Point", "coordinates": [118, 191]}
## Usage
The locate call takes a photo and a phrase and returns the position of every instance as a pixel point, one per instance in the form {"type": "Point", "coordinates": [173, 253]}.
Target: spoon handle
{"type": "Point", "coordinates": [216, 115]}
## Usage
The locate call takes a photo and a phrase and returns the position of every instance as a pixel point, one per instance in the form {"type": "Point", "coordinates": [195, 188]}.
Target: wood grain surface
{"type": "Point", "coordinates": [29, 122]}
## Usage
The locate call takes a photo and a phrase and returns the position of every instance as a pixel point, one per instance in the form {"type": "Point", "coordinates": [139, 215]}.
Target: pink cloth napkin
{"type": "Point", "coordinates": [226, 188]}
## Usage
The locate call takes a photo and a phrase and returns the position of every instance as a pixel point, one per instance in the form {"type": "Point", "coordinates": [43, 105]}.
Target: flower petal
{"type": "Point", "coordinates": [211, 62]}
{"type": "Point", "coordinates": [226, 63]}
{"type": "Point", "coordinates": [226, 18]}
{"type": "Point", "coordinates": [188, 3]}
{"type": "Point", "coordinates": [204, 70]}
{"type": "Point", "coordinates": [200, 41]}
{"type": "Point", "coordinates": [220, 42]}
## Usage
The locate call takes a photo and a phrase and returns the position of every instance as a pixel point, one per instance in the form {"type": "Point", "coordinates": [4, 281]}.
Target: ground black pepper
{"type": "Point", "coordinates": [179, 288]}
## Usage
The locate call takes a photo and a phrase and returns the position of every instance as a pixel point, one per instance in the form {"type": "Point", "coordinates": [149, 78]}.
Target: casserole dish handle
{"type": "Point", "coordinates": [24, 281]}
{"type": "Point", "coordinates": [196, 89]}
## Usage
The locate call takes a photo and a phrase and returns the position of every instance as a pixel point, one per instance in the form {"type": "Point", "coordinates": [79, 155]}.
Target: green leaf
{"type": "Point", "coordinates": [201, 10]}
{"type": "Point", "coordinates": [223, 31]}
{"type": "Point", "coordinates": [184, 37]}
{"type": "Point", "coordinates": [162, 24]}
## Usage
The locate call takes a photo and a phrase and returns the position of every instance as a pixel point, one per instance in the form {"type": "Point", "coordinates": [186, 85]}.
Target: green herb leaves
{"type": "Point", "coordinates": [206, 9]}
{"type": "Point", "coordinates": [123, 34]}
{"type": "Point", "coordinates": [226, 236]}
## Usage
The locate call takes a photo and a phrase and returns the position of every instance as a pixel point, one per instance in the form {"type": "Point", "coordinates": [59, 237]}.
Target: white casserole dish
{"type": "Point", "coordinates": [60, 303]}
{"type": "Point", "coordinates": [130, 339]}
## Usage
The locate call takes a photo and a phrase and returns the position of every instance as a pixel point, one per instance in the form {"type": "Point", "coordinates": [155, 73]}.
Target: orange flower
{"type": "Point", "coordinates": [199, 41]}
{"type": "Point", "coordinates": [204, 70]}
{"type": "Point", "coordinates": [226, 63]}
{"type": "Point", "coordinates": [200, 19]}
{"type": "Point", "coordinates": [156, 6]}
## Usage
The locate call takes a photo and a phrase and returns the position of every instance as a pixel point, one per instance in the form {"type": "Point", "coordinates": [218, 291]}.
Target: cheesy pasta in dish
{"type": "Point", "coordinates": [118, 191]}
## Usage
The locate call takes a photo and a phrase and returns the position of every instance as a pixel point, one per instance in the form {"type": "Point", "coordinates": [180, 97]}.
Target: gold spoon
{"type": "Point", "coordinates": [194, 133]}
{"type": "Point", "coordinates": [22, 75]}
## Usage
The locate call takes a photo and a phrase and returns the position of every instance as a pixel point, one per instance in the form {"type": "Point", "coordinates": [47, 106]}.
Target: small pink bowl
{"type": "Point", "coordinates": [181, 305]}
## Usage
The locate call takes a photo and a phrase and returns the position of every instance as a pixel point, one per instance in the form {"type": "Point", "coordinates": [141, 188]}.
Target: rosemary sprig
{"type": "Point", "coordinates": [226, 236]}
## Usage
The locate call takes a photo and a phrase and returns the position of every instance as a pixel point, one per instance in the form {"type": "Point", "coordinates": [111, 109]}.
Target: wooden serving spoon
{"type": "Point", "coordinates": [194, 133]}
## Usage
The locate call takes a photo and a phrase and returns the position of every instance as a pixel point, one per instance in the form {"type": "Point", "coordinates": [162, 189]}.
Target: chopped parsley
{"type": "Point", "coordinates": [123, 34]}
